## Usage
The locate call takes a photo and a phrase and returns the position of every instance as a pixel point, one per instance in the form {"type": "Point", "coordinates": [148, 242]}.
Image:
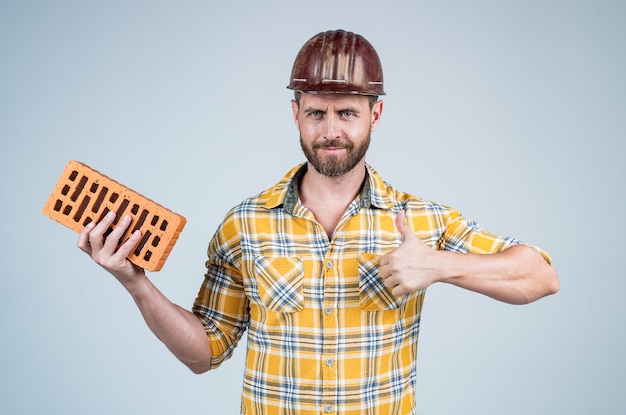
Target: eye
{"type": "Point", "coordinates": [316, 114]}
{"type": "Point", "coordinates": [347, 114]}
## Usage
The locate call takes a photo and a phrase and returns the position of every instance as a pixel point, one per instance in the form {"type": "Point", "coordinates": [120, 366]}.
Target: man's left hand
{"type": "Point", "coordinates": [409, 267]}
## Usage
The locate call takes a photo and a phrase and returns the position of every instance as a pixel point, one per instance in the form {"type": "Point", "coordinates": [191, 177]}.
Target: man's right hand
{"type": "Point", "coordinates": [104, 251]}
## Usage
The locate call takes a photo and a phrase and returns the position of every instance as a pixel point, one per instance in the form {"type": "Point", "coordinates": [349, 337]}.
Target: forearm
{"type": "Point", "coordinates": [518, 275]}
{"type": "Point", "coordinates": [180, 330]}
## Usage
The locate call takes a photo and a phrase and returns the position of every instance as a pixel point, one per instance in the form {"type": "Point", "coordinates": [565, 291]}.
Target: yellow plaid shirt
{"type": "Point", "coordinates": [325, 336]}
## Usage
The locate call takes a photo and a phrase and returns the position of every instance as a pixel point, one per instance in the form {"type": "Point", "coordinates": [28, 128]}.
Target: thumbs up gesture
{"type": "Point", "coordinates": [409, 267]}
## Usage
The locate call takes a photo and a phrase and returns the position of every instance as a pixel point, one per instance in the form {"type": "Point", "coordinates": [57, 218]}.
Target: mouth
{"type": "Point", "coordinates": [331, 150]}
{"type": "Point", "coordinates": [334, 145]}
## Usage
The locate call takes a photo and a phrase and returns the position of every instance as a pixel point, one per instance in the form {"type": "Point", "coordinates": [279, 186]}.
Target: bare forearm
{"type": "Point", "coordinates": [177, 328]}
{"type": "Point", "coordinates": [518, 275]}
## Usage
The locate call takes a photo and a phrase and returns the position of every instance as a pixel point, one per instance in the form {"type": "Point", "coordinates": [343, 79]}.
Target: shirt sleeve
{"type": "Point", "coordinates": [466, 236]}
{"type": "Point", "coordinates": [221, 304]}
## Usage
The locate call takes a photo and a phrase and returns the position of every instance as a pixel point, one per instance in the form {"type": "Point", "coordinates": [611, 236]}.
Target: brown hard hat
{"type": "Point", "coordinates": [337, 62]}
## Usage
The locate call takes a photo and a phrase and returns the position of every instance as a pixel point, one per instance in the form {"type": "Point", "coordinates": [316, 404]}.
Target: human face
{"type": "Point", "coordinates": [335, 130]}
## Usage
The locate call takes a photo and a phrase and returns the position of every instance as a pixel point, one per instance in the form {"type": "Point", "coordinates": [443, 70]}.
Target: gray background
{"type": "Point", "coordinates": [512, 111]}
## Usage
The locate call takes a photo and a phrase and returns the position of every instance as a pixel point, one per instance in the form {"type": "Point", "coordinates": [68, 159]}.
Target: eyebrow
{"type": "Point", "coordinates": [309, 110]}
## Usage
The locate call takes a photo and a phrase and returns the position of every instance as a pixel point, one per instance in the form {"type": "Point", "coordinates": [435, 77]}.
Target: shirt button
{"type": "Point", "coordinates": [329, 362]}
{"type": "Point", "coordinates": [328, 408]}
{"type": "Point", "coordinates": [329, 264]}
{"type": "Point", "coordinates": [328, 310]}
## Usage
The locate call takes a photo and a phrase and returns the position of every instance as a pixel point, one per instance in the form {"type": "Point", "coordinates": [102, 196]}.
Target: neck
{"type": "Point", "coordinates": [329, 197]}
{"type": "Point", "coordinates": [335, 192]}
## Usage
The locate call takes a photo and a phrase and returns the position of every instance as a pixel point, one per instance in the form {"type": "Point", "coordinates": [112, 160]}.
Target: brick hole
{"type": "Point", "coordinates": [58, 205]}
{"type": "Point", "coordinates": [142, 243]}
{"type": "Point", "coordinates": [79, 188]}
{"type": "Point", "coordinates": [100, 199]}
{"type": "Point", "coordinates": [81, 208]}
{"type": "Point", "coordinates": [67, 210]}
{"type": "Point", "coordinates": [113, 197]}
{"type": "Point", "coordinates": [73, 175]}
{"type": "Point", "coordinates": [121, 210]}
{"type": "Point", "coordinates": [65, 190]}
{"type": "Point", "coordinates": [163, 225]}
{"type": "Point", "coordinates": [155, 241]}
{"type": "Point", "coordinates": [94, 187]}
{"type": "Point", "coordinates": [141, 220]}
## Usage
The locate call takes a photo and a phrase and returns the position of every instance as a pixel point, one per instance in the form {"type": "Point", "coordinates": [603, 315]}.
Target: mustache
{"type": "Point", "coordinates": [332, 143]}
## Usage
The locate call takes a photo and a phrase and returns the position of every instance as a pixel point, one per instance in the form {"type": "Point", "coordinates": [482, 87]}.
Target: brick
{"type": "Point", "coordinates": [83, 195]}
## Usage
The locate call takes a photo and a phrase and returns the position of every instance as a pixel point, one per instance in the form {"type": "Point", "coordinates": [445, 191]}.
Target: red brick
{"type": "Point", "coordinates": [84, 195]}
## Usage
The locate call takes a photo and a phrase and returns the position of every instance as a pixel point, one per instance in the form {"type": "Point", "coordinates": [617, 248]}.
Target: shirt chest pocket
{"type": "Point", "coordinates": [373, 295]}
{"type": "Point", "coordinates": [278, 283]}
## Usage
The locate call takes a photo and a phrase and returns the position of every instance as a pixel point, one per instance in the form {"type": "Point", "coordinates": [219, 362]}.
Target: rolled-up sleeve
{"type": "Point", "coordinates": [466, 236]}
{"type": "Point", "coordinates": [221, 304]}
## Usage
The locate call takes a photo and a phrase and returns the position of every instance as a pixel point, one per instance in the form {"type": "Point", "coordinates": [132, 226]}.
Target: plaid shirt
{"type": "Point", "coordinates": [325, 334]}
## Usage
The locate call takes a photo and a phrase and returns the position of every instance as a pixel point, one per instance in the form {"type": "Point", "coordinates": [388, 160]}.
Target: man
{"type": "Point", "coordinates": [327, 270]}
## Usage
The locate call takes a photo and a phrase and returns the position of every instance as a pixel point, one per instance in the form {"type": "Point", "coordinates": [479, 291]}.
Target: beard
{"type": "Point", "coordinates": [335, 166]}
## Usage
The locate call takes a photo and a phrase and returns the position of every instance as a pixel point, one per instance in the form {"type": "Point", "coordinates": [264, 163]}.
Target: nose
{"type": "Point", "coordinates": [332, 127]}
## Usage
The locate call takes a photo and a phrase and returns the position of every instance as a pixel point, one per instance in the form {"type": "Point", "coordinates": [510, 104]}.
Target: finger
{"type": "Point", "coordinates": [403, 227]}
{"type": "Point", "coordinates": [383, 273]}
{"type": "Point", "coordinates": [387, 270]}
{"type": "Point", "coordinates": [113, 239]}
{"type": "Point", "coordinates": [399, 290]}
{"type": "Point", "coordinates": [390, 282]}
{"type": "Point", "coordinates": [83, 238]}
{"type": "Point", "coordinates": [96, 236]}
{"type": "Point", "coordinates": [127, 247]}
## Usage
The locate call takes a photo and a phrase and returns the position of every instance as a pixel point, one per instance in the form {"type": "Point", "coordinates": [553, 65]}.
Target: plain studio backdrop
{"type": "Point", "coordinates": [512, 111]}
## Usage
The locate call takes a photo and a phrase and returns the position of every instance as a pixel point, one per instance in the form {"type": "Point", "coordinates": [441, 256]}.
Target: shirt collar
{"type": "Point", "coordinates": [374, 193]}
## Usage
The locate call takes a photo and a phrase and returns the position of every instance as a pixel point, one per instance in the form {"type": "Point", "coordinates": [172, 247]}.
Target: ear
{"type": "Point", "coordinates": [377, 112]}
{"type": "Point", "coordinates": [295, 109]}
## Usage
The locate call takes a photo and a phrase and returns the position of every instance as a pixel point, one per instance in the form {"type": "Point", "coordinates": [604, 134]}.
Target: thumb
{"type": "Point", "coordinates": [402, 226]}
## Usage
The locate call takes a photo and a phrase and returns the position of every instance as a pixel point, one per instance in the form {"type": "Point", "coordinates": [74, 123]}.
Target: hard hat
{"type": "Point", "coordinates": [337, 62]}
